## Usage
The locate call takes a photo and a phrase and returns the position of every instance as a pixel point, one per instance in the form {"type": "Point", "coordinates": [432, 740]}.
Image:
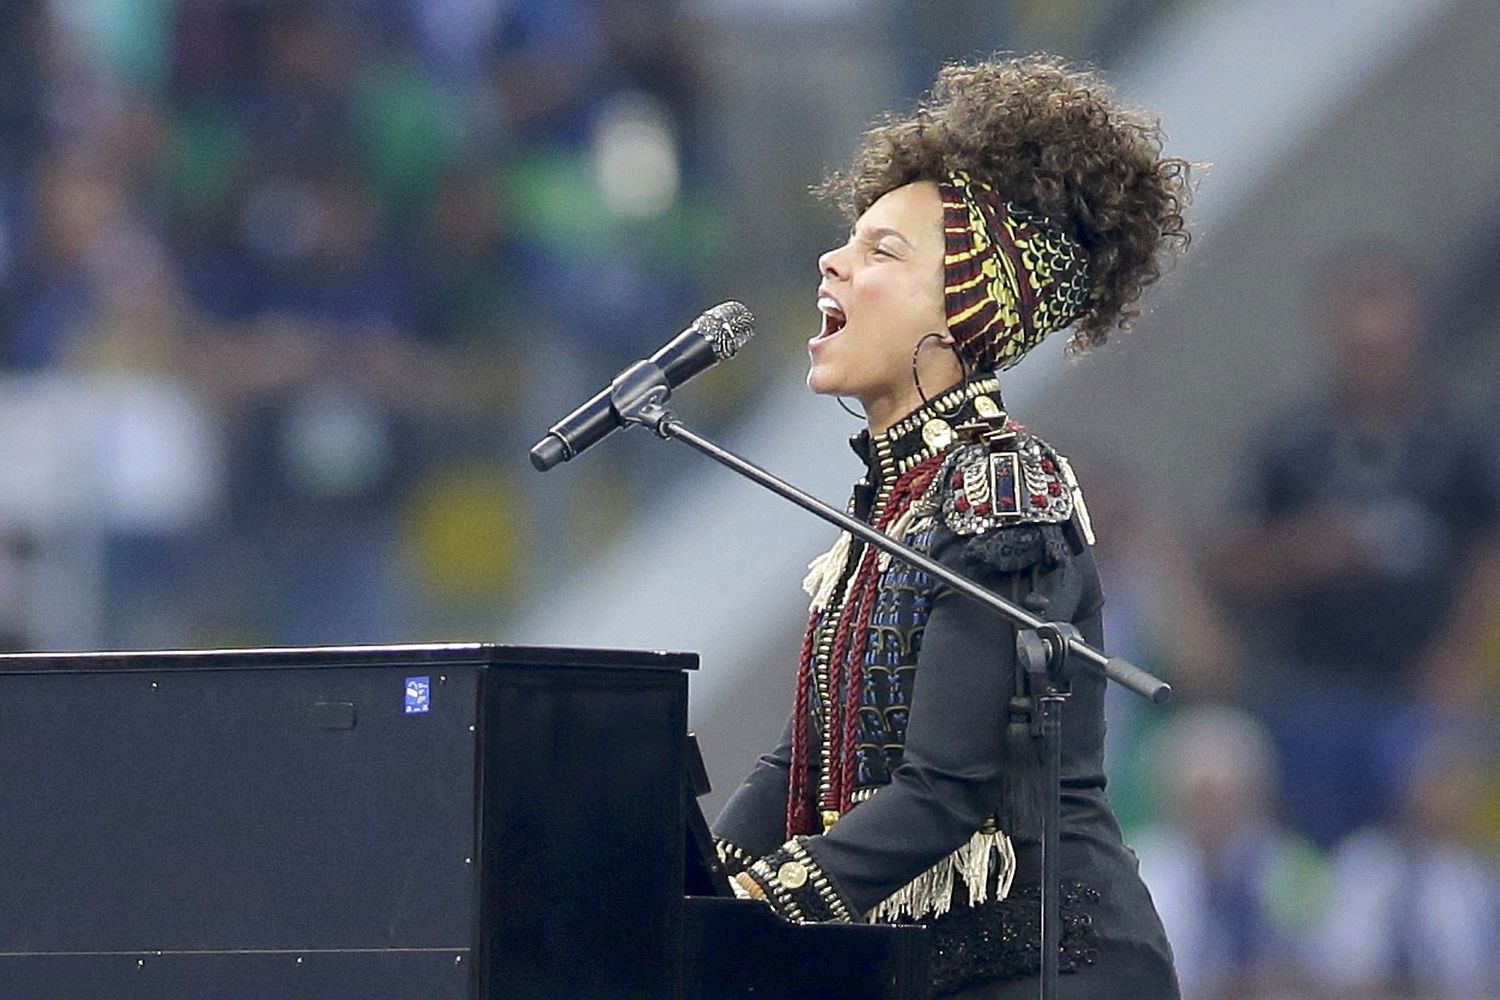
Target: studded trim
{"type": "Point", "coordinates": [732, 856]}
{"type": "Point", "coordinates": [930, 429]}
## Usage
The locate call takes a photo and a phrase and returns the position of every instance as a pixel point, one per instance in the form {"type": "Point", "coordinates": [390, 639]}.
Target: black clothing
{"type": "Point", "coordinates": [1418, 494]}
{"type": "Point", "coordinates": [1337, 658]}
{"type": "Point", "coordinates": [936, 769]}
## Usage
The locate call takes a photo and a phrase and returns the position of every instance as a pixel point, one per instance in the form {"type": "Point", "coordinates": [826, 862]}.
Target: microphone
{"type": "Point", "coordinates": [716, 335]}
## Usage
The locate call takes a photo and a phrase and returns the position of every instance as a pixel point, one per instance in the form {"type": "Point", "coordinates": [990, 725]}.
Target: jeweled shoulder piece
{"type": "Point", "coordinates": [1006, 478]}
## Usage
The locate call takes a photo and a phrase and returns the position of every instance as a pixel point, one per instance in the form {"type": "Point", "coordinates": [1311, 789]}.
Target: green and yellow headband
{"type": "Point", "coordinates": [1010, 278]}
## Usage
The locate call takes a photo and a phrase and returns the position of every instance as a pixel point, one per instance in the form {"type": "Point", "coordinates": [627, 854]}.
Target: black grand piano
{"type": "Point", "coordinates": [412, 822]}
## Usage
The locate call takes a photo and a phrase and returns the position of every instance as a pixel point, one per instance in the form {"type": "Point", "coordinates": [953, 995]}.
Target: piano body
{"type": "Point", "coordinates": [439, 821]}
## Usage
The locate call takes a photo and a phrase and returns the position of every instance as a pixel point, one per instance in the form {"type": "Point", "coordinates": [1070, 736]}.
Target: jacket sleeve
{"type": "Point", "coordinates": [950, 778]}
{"type": "Point", "coordinates": [753, 822]}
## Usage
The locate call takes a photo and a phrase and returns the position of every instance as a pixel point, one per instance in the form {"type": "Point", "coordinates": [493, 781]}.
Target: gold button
{"type": "Point", "coordinates": [985, 407]}
{"type": "Point", "coordinates": [937, 434]}
{"type": "Point", "coordinates": [830, 817]}
{"type": "Point", "coordinates": [793, 874]}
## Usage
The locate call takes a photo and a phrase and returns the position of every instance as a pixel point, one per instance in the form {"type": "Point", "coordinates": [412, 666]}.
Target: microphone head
{"type": "Point", "coordinates": [726, 327]}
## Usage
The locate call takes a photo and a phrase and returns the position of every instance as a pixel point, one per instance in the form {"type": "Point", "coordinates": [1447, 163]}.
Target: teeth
{"type": "Point", "coordinates": [833, 316]}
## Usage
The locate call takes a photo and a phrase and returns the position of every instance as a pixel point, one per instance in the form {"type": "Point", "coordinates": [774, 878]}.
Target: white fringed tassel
{"type": "Point", "coordinates": [822, 580]}
{"type": "Point", "coordinates": [931, 893]}
{"type": "Point", "coordinates": [897, 530]}
{"type": "Point", "coordinates": [823, 573]}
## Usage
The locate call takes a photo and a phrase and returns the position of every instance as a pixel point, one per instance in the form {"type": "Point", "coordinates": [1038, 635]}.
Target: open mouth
{"type": "Point", "coordinates": [833, 317]}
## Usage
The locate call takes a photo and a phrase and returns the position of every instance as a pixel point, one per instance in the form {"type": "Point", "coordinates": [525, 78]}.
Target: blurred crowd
{"type": "Point", "coordinates": [1322, 818]}
{"type": "Point", "coordinates": [288, 287]}
{"type": "Point", "coordinates": [333, 261]}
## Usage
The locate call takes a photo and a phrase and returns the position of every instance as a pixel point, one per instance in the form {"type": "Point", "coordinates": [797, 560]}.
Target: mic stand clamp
{"type": "Point", "coordinates": [638, 391]}
{"type": "Point", "coordinates": [1042, 658]}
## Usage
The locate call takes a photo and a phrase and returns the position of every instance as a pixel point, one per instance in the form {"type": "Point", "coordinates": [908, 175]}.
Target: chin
{"type": "Point", "coordinates": [824, 382]}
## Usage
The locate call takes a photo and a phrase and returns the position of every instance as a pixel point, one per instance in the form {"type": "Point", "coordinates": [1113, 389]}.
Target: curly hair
{"type": "Point", "coordinates": [1051, 138]}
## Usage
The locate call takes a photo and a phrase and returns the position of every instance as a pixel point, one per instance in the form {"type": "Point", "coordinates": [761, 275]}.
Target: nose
{"type": "Point", "coordinates": [830, 263]}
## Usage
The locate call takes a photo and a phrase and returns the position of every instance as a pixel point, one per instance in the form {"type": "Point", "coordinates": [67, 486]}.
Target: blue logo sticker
{"type": "Point", "coordinates": [418, 695]}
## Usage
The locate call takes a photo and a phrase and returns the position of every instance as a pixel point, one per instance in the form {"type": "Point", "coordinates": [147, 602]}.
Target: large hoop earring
{"type": "Point", "coordinates": [917, 380]}
{"type": "Point", "coordinates": [856, 416]}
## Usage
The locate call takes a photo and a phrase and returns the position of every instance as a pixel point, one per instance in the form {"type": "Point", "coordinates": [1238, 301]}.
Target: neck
{"type": "Point", "coordinates": [939, 368]}
{"type": "Point", "coordinates": [883, 411]}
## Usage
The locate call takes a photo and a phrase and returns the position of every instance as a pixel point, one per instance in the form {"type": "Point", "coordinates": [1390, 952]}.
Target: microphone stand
{"type": "Point", "coordinates": [1048, 653]}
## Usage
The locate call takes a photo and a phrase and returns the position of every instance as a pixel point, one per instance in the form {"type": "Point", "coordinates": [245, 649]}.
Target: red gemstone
{"type": "Point", "coordinates": [982, 509]}
{"type": "Point", "coordinates": [1055, 489]}
{"type": "Point", "coordinates": [1038, 499]}
{"type": "Point", "coordinates": [1007, 501]}
{"type": "Point", "coordinates": [1048, 466]}
{"type": "Point", "coordinates": [957, 480]}
{"type": "Point", "coordinates": [961, 503]}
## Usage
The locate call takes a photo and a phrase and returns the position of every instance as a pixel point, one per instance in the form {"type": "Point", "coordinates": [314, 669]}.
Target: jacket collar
{"type": "Point", "coordinates": [928, 430]}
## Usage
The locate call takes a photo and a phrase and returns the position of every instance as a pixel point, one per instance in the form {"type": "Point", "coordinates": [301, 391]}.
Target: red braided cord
{"type": "Point", "coordinates": [864, 593]}
{"type": "Point", "coordinates": [837, 680]}
{"type": "Point", "coordinates": [799, 812]}
{"type": "Point", "coordinates": [903, 492]}
{"type": "Point", "coordinates": [845, 671]}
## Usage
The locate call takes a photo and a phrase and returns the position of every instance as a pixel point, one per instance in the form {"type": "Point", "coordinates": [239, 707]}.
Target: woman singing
{"type": "Point", "coordinates": [1016, 201]}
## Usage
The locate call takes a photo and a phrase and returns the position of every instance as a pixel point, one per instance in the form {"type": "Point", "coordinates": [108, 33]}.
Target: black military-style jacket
{"type": "Point", "coordinates": [946, 813]}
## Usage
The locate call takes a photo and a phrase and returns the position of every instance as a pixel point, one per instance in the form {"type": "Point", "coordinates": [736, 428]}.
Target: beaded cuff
{"type": "Point", "coordinates": [797, 888]}
{"type": "Point", "coordinates": [732, 856]}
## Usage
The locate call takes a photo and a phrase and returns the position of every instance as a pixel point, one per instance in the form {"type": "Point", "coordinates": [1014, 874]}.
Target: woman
{"type": "Point", "coordinates": [1016, 201]}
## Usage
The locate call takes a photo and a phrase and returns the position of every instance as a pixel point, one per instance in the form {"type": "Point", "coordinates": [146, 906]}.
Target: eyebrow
{"type": "Point", "coordinates": [874, 234]}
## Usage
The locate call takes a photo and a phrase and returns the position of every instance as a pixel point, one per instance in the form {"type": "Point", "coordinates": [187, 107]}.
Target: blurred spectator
{"type": "Point", "coordinates": [1417, 907]}
{"type": "Point", "coordinates": [1236, 890]}
{"type": "Point", "coordinates": [1159, 614]}
{"type": "Point", "coordinates": [1370, 558]}
{"type": "Point", "coordinates": [24, 50]}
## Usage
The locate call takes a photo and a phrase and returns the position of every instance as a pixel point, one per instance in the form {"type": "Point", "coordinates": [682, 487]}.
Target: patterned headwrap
{"type": "Point", "coordinates": [1009, 277]}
